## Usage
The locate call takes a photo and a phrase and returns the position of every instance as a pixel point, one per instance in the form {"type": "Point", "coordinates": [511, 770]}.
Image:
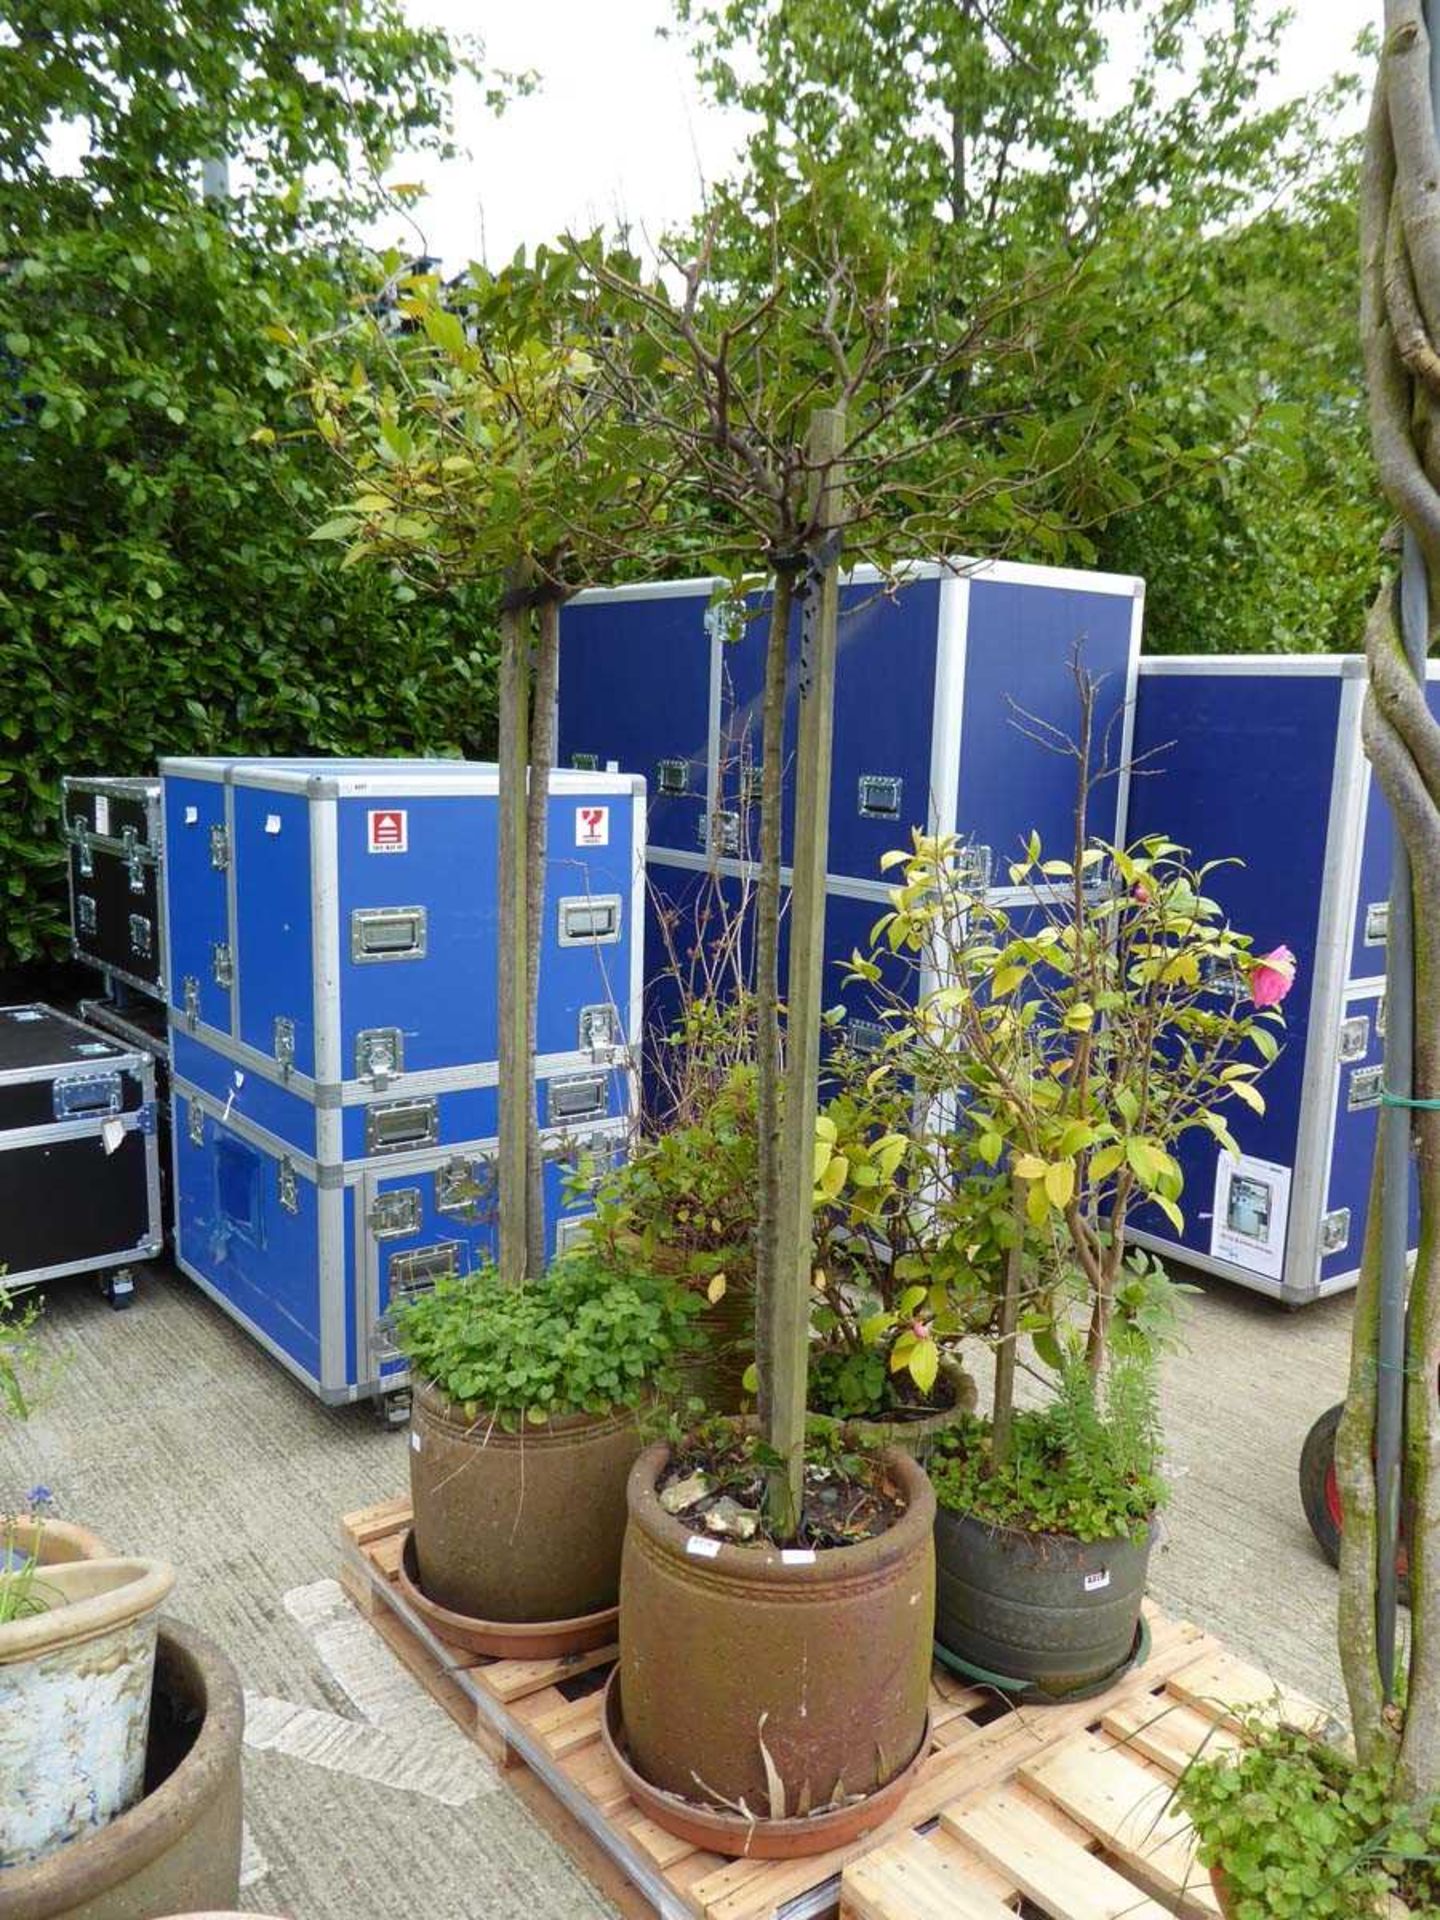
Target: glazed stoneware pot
{"type": "Point", "coordinates": [75, 1701]}
{"type": "Point", "coordinates": [1057, 1614]}
{"type": "Point", "coordinates": [523, 1526]}
{"type": "Point", "coordinates": [177, 1850]}
{"type": "Point", "coordinates": [730, 1654]}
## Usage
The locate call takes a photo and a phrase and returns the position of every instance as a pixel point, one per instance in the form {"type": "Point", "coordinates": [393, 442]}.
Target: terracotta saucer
{"type": "Point", "coordinates": [505, 1639]}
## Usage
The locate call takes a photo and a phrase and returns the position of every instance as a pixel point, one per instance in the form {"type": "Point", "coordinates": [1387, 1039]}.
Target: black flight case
{"type": "Point", "coordinates": [117, 897]}
{"type": "Point", "coordinates": [79, 1159]}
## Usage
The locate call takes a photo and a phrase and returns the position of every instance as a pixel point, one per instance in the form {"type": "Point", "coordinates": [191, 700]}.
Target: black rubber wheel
{"type": "Point", "coordinates": [1320, 1495]}
{"type": "Point", "coordinates": [1319, 1492]}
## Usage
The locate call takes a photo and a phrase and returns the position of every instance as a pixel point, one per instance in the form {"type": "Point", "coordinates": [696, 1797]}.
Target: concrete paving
{"type": "Point", "coordinates": [170, 1433]}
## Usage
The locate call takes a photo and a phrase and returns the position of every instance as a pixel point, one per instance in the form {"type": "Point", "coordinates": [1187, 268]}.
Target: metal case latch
{"type": "Point", "coordinates": [84, 852]}
{"type": "Point", "coordinates": [1335, 1231]}
{"type": "Point", "coordinates": [190, 989]}
{"type": "Point", "coordinates": [1377, 923]}
{"type": "Point", "coordinates": [402, 1124]}
{"type": "Point", "coordinates": [195, 1124]}
{"type": "Point", "coordinates": [86, 1096]}
{"type": "Point", "coordinates": [219, 848]}
{"type": "Point", "coordinates": [672, 778]}
{"type": "Point", "coordinates": [600, 1031]}
{"type": "Point", "coordinates": [880, 795]}
{"type": "Point", "coordinates": [1354, 1037]}
{"type": "Point", "coordinates": [379, 1055]}
{"type": "Point", "coordinates": [134, 860]}
{"type": "Point", "coordinates": [289, 1187]}
{"type": "Point", "coordinates": [395, 1213]}
{"type": "Point", "coordinates": [85, 912]}
{"type": "Point", "coordinates": [972, 868]}
{"type": "Point", "coordinates": [222, 963]}
{"type": "Point", "coordinates": [720, 834]}
{"type": "Point", "coordinates": [284, 1042]}
{"type": "Point", "coordinates": [1365, 1088]}
{"type": "Point", "coordinates": [585, 762]}
{"type": "Point", "coordinates": [387, 933]}
{"type": "Point", "coordinates": [142, 936]}
{"type": "Point", "coordinates": [576, 1096]}
{"type": "Point", "coordinates": [590, 920]}
{"type": "Point", "coordinates": [462, 1186]}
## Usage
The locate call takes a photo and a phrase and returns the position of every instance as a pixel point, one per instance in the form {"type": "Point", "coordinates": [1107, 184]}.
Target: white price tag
{"type": "Point", "coordinates": [415, 1439]}
{"type": "Point", "coordinates": [797, 1556]}
{"type": "Point", "coordinates": [1097, 1582]}
{"type": "Point", "coordinates": [702, 1548]}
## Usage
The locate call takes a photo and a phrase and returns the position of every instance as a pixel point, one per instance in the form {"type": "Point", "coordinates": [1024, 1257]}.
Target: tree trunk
{"type": "Point", "coordinates": [767, 977]}
{"type": "Point", "coordinates": [787, 1306]}
{"type": "Point", "coordinates": [516, 1063]}
{"type": "Point", "coordinates": [1002, 1416]}
{"type": "Point", "coordinates": [542, 759]}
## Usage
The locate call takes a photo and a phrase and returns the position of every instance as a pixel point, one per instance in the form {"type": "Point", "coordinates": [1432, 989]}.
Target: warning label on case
{"type": "Point", "coordinates": [389, 830]}
{"type": "Point", "coordinates": [592, 826]}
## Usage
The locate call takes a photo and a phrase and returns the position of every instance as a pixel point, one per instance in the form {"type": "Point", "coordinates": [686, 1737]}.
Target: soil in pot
{"type": "Point", "coordinates": [75, 1680]}
{"type": "Point", "coordinates": [519, 1526]}
{"type": "Point", "coordinates": [766, 1682]}
{"type": "Point", "coordinates": [177, 1850]}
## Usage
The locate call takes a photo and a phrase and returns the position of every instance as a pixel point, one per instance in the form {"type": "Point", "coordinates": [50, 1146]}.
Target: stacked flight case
{"type": "Point", "coordinates": [332, 958]}
{"type": "Point", "coordinates": [115, 841]}
{"type": "Point", "coordinates": [79, 1187]}
{"type": "Point", "coordinates": [1259, 759]}
{"type": "Point", "coordinates": [952, 694]}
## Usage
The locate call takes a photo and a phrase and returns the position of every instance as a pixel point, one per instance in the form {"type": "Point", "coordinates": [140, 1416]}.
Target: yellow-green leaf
{"type": "Point", "coordinates": [1060, 1183]}
{"type": "Point", "coordinates": [716, 1289]}
{"type": "Point", "coordinates": [924, 1364]}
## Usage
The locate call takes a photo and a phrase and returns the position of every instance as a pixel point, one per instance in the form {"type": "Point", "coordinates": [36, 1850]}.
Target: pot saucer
{"type": "Point", "coordinates": [504, 1639]}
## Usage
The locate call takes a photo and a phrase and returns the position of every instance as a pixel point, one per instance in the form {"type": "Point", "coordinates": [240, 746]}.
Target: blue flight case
{"type": "Point", "coordinates": [1259, 759]}
{"type": "Point", "coordinates": [332, 938]}
{"type": "Point", "coordinates": [955, 695]}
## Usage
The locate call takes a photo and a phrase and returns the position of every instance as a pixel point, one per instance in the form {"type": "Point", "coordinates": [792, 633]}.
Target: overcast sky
{"type": "Point", "coordinates": [618, 128]}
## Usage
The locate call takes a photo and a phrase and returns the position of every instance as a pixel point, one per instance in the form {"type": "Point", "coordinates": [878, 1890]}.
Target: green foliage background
{"type": "Point", "coordinates": [158, 589]}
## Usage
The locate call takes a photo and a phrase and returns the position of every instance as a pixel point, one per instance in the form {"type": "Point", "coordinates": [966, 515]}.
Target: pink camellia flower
{"type": "Point", "coordinates": [1140, 893]}
{"type": "Point", "coordinates": [1271, 977]}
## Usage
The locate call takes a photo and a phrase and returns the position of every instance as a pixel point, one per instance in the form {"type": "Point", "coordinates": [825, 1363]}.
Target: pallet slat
{"type": "Point", "coordinates": [909, 1880]}
{"type": "Point", "coordinates": [1013, 1833]}
{"type": "Point", "coordinates": [1131, 1811]}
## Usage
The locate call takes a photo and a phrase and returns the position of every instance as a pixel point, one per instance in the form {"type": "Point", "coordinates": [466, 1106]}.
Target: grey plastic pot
{"type": "Point", "coordinates": [177, 1850]}
{"type": "Point", "coordinates": [1040, 1610]}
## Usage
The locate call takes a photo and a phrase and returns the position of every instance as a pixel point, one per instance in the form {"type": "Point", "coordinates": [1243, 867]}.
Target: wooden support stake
{"type": "Point", "coordinates": [789, 1295]}
{"type": "Point", "coordinates": [515, 1070]}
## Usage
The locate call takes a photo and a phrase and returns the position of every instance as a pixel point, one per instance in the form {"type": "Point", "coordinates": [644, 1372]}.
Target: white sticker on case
{"type": "Point", "coordinates": [102, 813]}
{"type": "Point", "coordinates": [112, 1133]}
{"type": "Point", "coordinates": [415, 1440]}
{"type": "Point", "coordinates": [272, 823]}
{"type": "Point", "coordinates": [192, 816]}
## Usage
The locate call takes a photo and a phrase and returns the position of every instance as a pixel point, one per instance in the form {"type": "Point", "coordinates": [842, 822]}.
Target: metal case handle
{"type": "Point", "coordinates": [401, 1124]}
{"type": "Point", "coordinates": [86, 1096]}
{"type": "Point", "coordinates": [387, 933]}
{"type": "Point", "coordinates": [590, 920]}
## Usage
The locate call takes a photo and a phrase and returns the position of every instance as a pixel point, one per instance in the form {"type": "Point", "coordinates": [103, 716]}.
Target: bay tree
{"type": "Point", "coordinates": [475, 444]}
{"type": "Point", "coordinates": [831, 404]}
{"type": "Point", "coordinates": [1147, 140]}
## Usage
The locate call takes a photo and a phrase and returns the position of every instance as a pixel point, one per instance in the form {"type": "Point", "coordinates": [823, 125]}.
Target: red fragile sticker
{"type": "Point", "coordinates": [389, 830]}
{"type": "Point", "coordinates": [592, 826]}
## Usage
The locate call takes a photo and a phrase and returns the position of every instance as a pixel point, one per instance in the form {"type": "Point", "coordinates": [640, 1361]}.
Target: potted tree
{"type": "Point", "coordinates": [1068, 1044]}
{"type": "Point", "coordinates": [792, 1633]}
{"type": "Point", "coordinates": [479, 445]}
{"type": "Point", "coordinates": [1289, 1822]}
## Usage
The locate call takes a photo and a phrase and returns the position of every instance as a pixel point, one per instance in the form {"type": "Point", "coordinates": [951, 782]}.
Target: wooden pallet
{"type": "Point", "coordinates": [1054, 1811]}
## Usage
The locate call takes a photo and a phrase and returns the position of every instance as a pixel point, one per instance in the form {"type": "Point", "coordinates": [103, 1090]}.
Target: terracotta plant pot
{"type": "Point", "coordinates": [75, 1702]}
{"type": "Point", "coordinates": [1049, 1612]}
{"type": "Point", "coordinates": [178, 1849]}
{"type": "Point", "coordinates": [61, 1542]}
{"type": "Point", "coordinates": [715, 1372]}
{"type": "Point", "coordinates": [523, 1526]}
{"type": "Point", "coordinates": [821, 1662]}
